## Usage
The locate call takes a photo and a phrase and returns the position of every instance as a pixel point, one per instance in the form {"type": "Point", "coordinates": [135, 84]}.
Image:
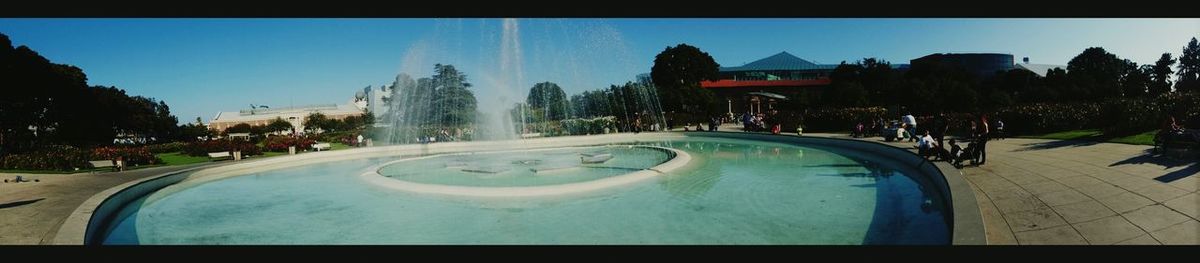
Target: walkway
{"type": "Point", "coordinates": [31, 213]}
{"type": "Point", "coordinates": [1035, 192]}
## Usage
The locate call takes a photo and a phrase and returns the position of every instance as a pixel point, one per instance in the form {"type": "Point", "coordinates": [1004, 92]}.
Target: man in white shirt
{"type": "Point", "coordinates": [925, 146]}
{"type": "Point", "coordinates": [911, 122]}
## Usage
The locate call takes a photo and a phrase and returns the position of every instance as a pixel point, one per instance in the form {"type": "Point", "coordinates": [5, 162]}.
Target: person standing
{"type": "Point", "coordinates": [981, 138]}
{"type": "Point", "coordinates": [939, 130]}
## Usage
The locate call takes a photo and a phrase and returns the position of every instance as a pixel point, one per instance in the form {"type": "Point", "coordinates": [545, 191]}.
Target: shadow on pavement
{"type": "Point", "coordinates": [1056, 144]}
{"type": "Point", "coordinates": [1176, 175]}
{"type": "Point", "coordinates": [20, 203]}
{"type": "Point", "coordinates": [1148, 157]}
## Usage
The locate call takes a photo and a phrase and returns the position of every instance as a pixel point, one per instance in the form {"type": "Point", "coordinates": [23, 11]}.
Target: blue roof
{"type": "Point", "coordinates": [781, 61]}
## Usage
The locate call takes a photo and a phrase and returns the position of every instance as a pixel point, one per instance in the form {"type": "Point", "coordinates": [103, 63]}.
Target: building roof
{"type": "Point", "coordinates": [781, 61]}
{"type": "Point", "coordinates": [268, 114]}
{"type": "Point", "coordinates": [1039, 69]}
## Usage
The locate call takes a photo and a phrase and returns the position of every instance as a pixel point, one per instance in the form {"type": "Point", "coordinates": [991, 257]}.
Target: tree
{"type": "Point", "coordinates": [1160, 75]}
{"type": "Point", "coordinates": [1134, 79]}
{"type": "Point", "coordinates": [239, 128]}
{"type": "Point", "coordinates": [1021, 86]}
{"type": "Point", "coordinates": [1098, 71]}
{"type": "Point", "coordinates": [317, 121]}
{"type": "Point", "coordinates": [1188, 77]}
{"type": "Point", "coordinates": [677, 73]}
{"type": "Point", "coordinates": [455, 103]}
{"type": "Point", "coordinates": [278, 125]}
{"type": "Point", "coordinates": [879, 81]}
{"type": "Point", "coordinates": [549, 99]}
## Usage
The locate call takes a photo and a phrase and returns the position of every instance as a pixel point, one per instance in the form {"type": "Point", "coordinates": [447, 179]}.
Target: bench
{"type": "Point", "coordinates": [103, 163]}
{"type": "Point", "coordinates": [219, 155]}
{"type": "Point", "coordinates": [321, 146]}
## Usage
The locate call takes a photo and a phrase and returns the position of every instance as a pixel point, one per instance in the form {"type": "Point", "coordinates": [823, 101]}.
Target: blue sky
{"type": "Point", "coordinates": [202, 66]}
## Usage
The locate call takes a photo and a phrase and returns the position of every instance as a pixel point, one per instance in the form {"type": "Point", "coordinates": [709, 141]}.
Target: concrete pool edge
{"type": "Point", "coordinates": [967, 220]}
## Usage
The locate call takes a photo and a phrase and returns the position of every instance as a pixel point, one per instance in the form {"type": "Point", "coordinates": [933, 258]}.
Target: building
{"type": "Point", "coordinates": [293, 115]}
{"type": "Point", "coordinates": [981, 65]}
{"type": "Point", "coordinates": [1039, 69]}
{"type": "Point", "coordinates": [757, 86]}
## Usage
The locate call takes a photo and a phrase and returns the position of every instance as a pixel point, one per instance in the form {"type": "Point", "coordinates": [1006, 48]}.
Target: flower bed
{"type": "Point", "coordinates": [281, 143]}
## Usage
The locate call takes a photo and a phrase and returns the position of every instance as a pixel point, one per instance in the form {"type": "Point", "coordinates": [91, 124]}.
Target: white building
{"type": "Point", "coordinates": [293, 115]}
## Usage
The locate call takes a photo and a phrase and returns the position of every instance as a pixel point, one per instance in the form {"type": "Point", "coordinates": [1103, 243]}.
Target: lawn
{"type": "Point", "coordinates": [179, 158]}
{"type": "Point", "coordinates": [338, 146]}
{"type": "Point", "coordinates": [1145, 138]}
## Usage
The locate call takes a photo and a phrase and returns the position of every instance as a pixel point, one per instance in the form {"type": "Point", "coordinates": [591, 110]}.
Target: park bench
{"type": "Point", "coordinates": [321, 146]}
{"type": "Point", "coordinates": [219, 155]}
{"type": "Point", "coordinates": [103, 163]}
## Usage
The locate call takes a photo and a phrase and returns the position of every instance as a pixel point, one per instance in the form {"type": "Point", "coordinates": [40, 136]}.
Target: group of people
{"type": "Point", "coordinates": [762, 122]}
{"type": "Point", "coordinates": [980, 132]}
{"type": "Point", "coordinates": [930, 137]}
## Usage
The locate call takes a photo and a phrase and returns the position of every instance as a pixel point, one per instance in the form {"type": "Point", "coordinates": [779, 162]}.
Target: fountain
{"type": "Point", "coordinates": [500, 188]}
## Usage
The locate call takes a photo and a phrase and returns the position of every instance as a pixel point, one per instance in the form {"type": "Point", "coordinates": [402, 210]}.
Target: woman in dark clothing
{"type": "Point", "coordinates": [981, 137]}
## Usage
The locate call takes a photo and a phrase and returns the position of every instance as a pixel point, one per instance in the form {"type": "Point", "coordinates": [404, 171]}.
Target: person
{"type": "Point", "coordinates": [926, 146]}
{"type": "Point", "coordinates": [858, 130]}
{"type": "Point", "coordinates": [120, 163]}
{"type": "Point", "coordinates": [776, 123]}
{"type": "Point", "coordinates": [955, 153]}
{"type": "Point", "coordinates": [911, 124]}
{"type": "Point", "coordinates": [713, 123]}
{"type": "Point", "coordinates": [670, 120]}
{"type": "Point", "coordinates": [939, 130]}
{"type": "Point", "coordinates": [360, 140]}
{"type": "Point", "coordinates": [981, 139]}
{"type": "Point", "coordinates": [1000, 129]}
{"type": "Point", "coordinates": [637, 123]}
{"type": "Point", "coordinates": [747, 121]}
{"type": "Point", "coordinates": [698, 127]}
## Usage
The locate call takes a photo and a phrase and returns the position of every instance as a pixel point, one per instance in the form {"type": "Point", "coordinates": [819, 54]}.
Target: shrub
{"type": "Point", "coordinates": [281, 143]}
{"type": "Point", "coordinates": [131, 155]}
{"type": "Point", "coordinates": [587, 126]}
{"type": "Point", "coordinates": [1116, 117]}
{"type": "Point", "coordinates": [169, 147]}
{"type": "Point", "coordinates": [63, 158]}
{"type": "Point", "coordinates": [834, 119]}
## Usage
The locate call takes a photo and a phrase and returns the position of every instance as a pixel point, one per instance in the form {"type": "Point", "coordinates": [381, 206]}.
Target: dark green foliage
{"type": "Point", "coordinates": [549, 100]}
{"type": "Point", "coordinates": [1160, 75]}
{"type": "Point", "coordinates": [677, 73]}
{"type": "Point", "coordinates": [841, 119]}
{"type": "Point", "coordinates": [1099, 71]}
{"type": "Point", "coordinates": [1188, 76]}
{"type": "Point", "coordinates": [45, 104]}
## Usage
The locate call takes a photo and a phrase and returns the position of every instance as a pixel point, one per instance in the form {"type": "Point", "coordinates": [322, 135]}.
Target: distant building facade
{"type": "Point", "coordinates": [293, 115]}
{"type": "Point", "coordinates": [981, 65]}
{"type": "Point", "coordinates": [757, 86]}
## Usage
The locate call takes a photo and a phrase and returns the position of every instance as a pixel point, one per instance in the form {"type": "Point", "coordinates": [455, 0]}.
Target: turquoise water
{"type": "Point", "coordinates": [733, 192]}
{"type": "Point", "coordinates": [553, 167]}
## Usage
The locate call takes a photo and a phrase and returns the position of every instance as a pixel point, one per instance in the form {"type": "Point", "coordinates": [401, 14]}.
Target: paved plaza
{"type": "Point", "coordinates": [1051, 192]}
{"type": "Point", "coordinates": [31, 213]}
